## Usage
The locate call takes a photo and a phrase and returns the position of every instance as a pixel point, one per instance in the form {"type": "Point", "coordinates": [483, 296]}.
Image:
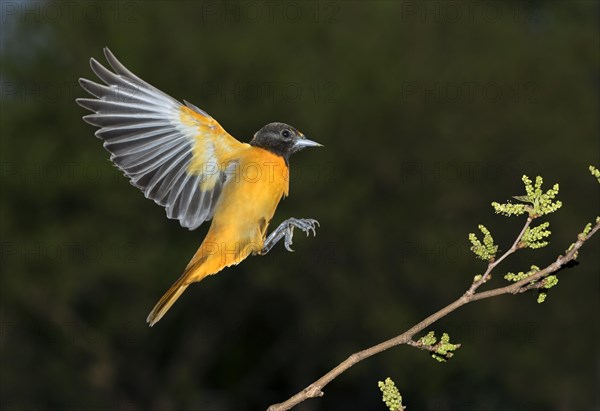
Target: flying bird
{"type": "Point", "coordinates": [182, 158]}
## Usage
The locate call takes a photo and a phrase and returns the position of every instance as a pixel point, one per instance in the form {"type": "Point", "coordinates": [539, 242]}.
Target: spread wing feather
{"type": "Point", "coordinates": [177, 154]}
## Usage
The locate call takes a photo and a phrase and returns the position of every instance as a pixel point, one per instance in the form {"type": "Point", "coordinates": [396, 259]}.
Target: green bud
{"type": "Point", "coordinates": [391, 395]}
{"type": "Point", "coordinates": [595, 172]}
{"type": "Point", "coordinates": [550, 281]}
{"type": "Point", "coordinates": [429, 339]}
{"type": "Point", "coordinates": [533, 237]}
{"type": "Point", "coordinates": [538, 202]}
{"type": "Point", "coordinates": [487, 250]}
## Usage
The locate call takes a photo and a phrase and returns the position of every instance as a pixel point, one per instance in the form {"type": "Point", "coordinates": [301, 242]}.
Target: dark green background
{"type": "Point", "coordinates": [428, 112]}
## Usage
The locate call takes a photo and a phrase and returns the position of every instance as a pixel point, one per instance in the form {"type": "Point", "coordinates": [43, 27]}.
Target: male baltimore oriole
{"type": "Point", "coordinates": [181, 158]}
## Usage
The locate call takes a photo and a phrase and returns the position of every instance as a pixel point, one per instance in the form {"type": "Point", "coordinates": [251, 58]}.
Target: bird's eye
{"type": "Point", "coordinates": [285, 133]}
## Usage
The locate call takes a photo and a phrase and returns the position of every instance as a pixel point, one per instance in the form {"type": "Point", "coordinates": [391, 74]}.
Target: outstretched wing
{"type": "Point", "coordinates": [178, 155]}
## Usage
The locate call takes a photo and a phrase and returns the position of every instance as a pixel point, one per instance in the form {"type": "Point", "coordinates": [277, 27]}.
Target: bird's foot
{"type": "Point", "coordinates": [286, 231]}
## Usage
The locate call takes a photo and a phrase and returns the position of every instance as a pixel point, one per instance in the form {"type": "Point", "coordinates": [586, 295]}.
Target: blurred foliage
{"type": "Point", "coordinates": [428, 111]}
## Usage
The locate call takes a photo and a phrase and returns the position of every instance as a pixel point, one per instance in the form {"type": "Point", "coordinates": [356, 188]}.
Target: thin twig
{"type": "Point", "coordinates": [492, 264]}
{"type": "Point", "coordinates": [316, 388]}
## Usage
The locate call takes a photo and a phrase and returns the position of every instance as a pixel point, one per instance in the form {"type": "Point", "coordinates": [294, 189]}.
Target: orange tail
{"type": "Point", "coordinates": [194, 272]}
{"type": "Point", "coordinates": [167, 300]}
{"type": "Point", "coordinates": [208, 260]}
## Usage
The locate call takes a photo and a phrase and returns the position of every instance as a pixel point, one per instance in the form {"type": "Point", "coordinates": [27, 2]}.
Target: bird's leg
{"type": "Point", "coordinates": [286, 229]}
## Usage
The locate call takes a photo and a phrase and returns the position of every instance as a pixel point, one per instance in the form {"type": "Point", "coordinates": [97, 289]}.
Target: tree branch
{"type": "Point", "coordinates": [316, 388]}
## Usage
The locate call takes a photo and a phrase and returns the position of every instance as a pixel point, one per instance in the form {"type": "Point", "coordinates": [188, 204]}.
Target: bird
{"type": "Point", "coordinates": [183, 159]}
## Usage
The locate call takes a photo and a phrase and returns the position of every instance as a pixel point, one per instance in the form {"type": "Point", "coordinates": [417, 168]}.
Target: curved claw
{"type": "Point", "coordinates": [308, 225]}
{"type": "Point", "coordinates": [286, 231]}
{"type": "Point", "coordinates": [313, 226]}
{"type": "Point", "coordinates": [289, 235]}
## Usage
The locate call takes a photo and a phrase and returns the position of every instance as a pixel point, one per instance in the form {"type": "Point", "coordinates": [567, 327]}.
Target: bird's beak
{"type": "Point", "coordinates": [304, 142]}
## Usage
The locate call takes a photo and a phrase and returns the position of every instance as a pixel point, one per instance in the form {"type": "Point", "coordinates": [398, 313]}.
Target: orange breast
{"type": "Point", "coordinates": [247, 205]}
{"type": "Point", "coordinates": [253, 191]}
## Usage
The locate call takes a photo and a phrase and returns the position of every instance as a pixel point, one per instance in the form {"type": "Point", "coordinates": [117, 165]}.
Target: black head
{"type": "Point", "coordinates": [281, 139]}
